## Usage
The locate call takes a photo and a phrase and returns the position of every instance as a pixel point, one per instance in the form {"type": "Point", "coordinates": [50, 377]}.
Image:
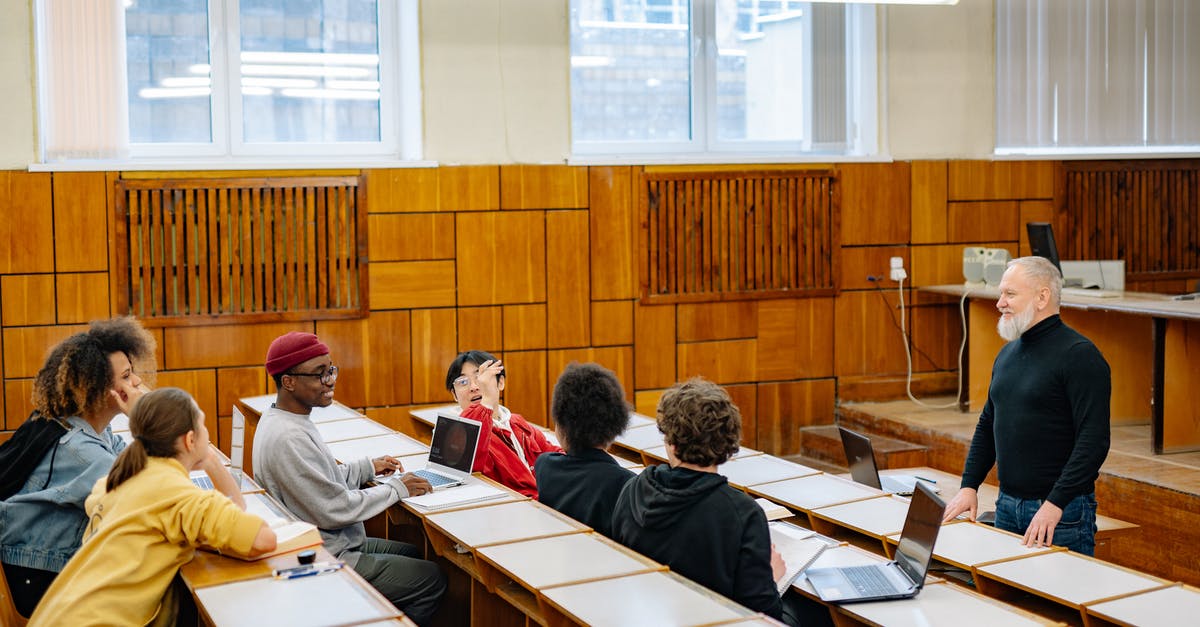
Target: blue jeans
{"type": "Point", "coordinates": [1076, 529]}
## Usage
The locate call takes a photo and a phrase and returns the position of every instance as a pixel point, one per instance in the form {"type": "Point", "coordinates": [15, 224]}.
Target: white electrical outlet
{"type": "Point", "coordinates": [898, 273]}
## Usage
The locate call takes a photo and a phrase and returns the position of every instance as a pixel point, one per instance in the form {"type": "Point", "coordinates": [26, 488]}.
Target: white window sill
{"type": "Point", "coordinates": [721, 159]}
{"type": "Point", "coordinates": [1098, 152]}
{"type": "Point", "coordinates": [225, 164]}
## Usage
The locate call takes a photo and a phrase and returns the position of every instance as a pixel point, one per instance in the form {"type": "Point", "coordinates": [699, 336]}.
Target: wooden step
{"type": "Point", "coordinates": [824, 443]}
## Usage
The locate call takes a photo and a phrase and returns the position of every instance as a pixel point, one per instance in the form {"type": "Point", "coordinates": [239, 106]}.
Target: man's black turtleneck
{"type": "Point", "coordinates": [1045, 424]}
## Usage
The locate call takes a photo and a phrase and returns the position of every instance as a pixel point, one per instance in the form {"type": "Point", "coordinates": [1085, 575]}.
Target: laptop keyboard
{"type": "Point", "coordinates": [869, 580]}
{"type": "Point", "coordinates": [203, 482]}
{"type": "Point", "coordinates": [433, 478]}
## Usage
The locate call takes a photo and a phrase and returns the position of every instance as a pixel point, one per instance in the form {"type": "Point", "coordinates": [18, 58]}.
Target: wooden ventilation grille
{"type": "Point", "coordinates": [709, 236]}
{"type": "Point", "coordinates": [1145, 212]}
{"type": "Point", "coordinates": [241, 250]}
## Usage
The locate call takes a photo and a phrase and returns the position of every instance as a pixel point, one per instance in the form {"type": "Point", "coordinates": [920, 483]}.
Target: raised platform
{"type": "Point", "coordinates": [1159, 492]}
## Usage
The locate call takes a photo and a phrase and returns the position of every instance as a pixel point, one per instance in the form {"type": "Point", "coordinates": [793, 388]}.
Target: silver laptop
{"type": "Point", "coordinates": [861, 456]}
{"type": "Point", "coordinates": [451, 451]}
{"type": "Point", "coordinates": [898, 579]}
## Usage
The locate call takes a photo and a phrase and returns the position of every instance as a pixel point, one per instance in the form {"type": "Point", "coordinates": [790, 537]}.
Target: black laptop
{"type": "Point", "coordinates": [861, 457]}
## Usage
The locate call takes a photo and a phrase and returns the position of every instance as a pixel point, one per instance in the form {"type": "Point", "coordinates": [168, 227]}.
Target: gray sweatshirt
{"type": "Point", "coordinates": [293, 464]}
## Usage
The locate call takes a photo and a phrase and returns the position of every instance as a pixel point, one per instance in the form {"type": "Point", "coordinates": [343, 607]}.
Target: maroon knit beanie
{"type": "Point", "coordinates": [291, 349]}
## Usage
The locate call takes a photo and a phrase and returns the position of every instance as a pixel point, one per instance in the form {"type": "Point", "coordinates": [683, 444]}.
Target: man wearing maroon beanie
{"type": "Point", "coordinates": [292, 462]}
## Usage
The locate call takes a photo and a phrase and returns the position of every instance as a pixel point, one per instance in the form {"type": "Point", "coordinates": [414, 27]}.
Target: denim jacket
{"type": "Point", "coordinates": [41, 526]}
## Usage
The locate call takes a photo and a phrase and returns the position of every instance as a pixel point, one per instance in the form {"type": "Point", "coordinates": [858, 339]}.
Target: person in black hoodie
{"type": "Point", "coordinates": [687, 516]}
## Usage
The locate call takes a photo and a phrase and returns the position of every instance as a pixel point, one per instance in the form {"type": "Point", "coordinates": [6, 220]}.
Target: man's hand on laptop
{"type": "Point", "coordinates": [967, 500]}
{"type": "Point", "coordinates": [416, 486]}
{"type": "Point", "coordinates": [386, 465]}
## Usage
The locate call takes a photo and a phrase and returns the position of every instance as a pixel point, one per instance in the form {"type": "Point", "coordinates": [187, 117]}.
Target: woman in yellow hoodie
{"type": "Point", "coordinates": [146, 519]}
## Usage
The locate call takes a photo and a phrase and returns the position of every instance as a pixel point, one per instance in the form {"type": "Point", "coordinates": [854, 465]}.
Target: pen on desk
{"type": "Point", "coordinates": [306, 570]}
{"type": "Point", "coordinates": [925, 479]}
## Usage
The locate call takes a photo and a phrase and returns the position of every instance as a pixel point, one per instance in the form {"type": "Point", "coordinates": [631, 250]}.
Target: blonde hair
{"type": "Point", "coordinates": [157, 420]}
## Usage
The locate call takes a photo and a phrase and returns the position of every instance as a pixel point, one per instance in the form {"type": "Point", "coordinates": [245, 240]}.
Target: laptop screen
{"type": "Point", "coordinates": [454, 442]}
{"type": "Point", "coordinates": [861, 458]}
{"type": "Point", "coordinates": [920, 532]}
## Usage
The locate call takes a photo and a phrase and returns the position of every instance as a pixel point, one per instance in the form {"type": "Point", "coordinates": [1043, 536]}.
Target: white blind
{"type": "Point", "coordinates": [1097, 75]}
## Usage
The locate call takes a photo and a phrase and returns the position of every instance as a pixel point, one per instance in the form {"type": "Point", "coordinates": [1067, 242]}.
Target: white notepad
{"type": "Point", "coordinates": [798, 547]}
{"type": "Point", "coordinates": [460, 495]}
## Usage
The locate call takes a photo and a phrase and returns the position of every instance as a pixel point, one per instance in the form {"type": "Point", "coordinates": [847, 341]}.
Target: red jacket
{"type": "Point", "coordinates": [498, 460]}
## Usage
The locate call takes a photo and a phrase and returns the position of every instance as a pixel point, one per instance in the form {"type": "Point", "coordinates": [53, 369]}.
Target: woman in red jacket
{"type": "Point", "coordinates": [508, 445]}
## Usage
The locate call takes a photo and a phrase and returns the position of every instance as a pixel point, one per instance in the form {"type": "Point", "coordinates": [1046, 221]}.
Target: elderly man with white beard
{"type": "Point", "coordinates": [1045, 423]}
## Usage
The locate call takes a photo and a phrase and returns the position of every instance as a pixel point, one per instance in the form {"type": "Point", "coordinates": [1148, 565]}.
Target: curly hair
{"type": "Point", "coordinates": [698, 418]}
{"type": "Point", "coordinates": [588, 407]}
{"type": "Point", "coordinates": [77, 375]}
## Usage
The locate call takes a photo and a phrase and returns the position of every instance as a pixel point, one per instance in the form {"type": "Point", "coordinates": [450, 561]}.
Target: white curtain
{"type": "Point", "coordinates": [1097, 73]}
{"type": "Point", "coordinates": [81, 78]}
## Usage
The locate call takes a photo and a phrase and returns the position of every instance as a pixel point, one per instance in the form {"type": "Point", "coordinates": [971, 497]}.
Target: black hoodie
{"type": "Point", "coordinates": [701, 528]}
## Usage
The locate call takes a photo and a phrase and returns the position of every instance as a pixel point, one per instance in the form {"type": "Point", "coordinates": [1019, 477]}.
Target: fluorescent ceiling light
{"type": "Point", "coordinates": [311, 58]}
{"type": "Point", "coordinates": [305, 70]}
{"type": "Point", "coordinates": [330, 94]}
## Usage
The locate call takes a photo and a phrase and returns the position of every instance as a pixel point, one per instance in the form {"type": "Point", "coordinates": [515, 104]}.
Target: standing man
{"type": "Point", "coordinates": [292, 462]}
{"type": "Point", "coordinates": [1045, 424]}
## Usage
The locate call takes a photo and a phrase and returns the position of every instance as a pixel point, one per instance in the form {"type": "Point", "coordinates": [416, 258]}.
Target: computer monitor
{"type": "Point", "coordinates": [1041, 242]}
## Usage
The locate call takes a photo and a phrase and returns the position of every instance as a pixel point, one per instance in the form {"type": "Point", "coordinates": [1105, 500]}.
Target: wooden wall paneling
{"type": "Point", "coordinates": [979, 221]}
{"type": "Point", "coordinates": [160, 342]}
{"type": "Point", "coordinates": [612, 202]}
{"type": "Point", "coordinates": [411, 236]}
{"type": "Point", "coordinates": [1000, 180]}
{"type": "Point", "coordinates": [1181, 422]}
{"type": "Point", "coordinates": [942, 264]}
{"type": "Point", "coordinates": [645, 402]}
{"type": "Point", "coordinates": [501, 257]}
{"type": "Point", "coordinates": [185, 348]}
{"type": "Point", "coordinates": [935, 331]}
{"type": "Point", "coordinates": [202, 385]}
{"type": "Point", "coordinates": [985, 344]}
{"type": "Point", "coordinates": [653, 345]}
{"type": "Point", "coordinates": [543, 187]}
{"type": "Point", "coordinates": [723, 361]}
{"type": "Point", "coordinates": [397, 418]}
{"type": "Point", "coordinates": [929, 182]}
{"type": "Point", "coordinates": [480, 328]}
{"type": "Point", "coordinates": [26, 224]}
{"type": "Point", "coordinates": [1034, 211]}
{"type": "Point", "coordinates": [18, 402]}
{"type": "Point", "coordinates": [348, 348]}
{"type": "Point", "coordinates": [524, 327]}
{"type": "Point", "coordinates": [716, 321]}
{"type": "Point", "coordinates": [402, 189]}
{"type": "Point", "coordinates": [746, 398]}
{"type": "Point", "coordinates": [81, 297]}
{"type": "Point", "coordinates": [1125, 342]}
{"type": "Point", "coordinates": [27, 299]}
{"type": "Point", "coordinates": [240, 382]}
{"type": "Point", "coordinates": [619, 359]}
{"type": "Point", "coordinates": [81, 210]}
{"type": "Point", "coordinates": [612, 322]}
{"type": "Point", "coordinates": [865, 336]}
{"type": "Point", "coordinates": [526, 385]}
{"type": "Point", "coordinates": [785, 407]}
{"type": "Point", "coordinates": [25, 348]}
{"type": "Point", "coordinates": [568, 291]}
{"type": "Point", "coordinates": [469, 188]}
{"type": "Point", "coordinates": [795, 339]}
{"type": "Point", "coordinates": [858, 262]}
{"type": "Point", "coordinates": [412, 284]}
{"type": "Point", "coordinates": [875, 203]}
{"type": "Point", "coordinates": [434, 342]}
{"type": "Point", "coordinates": [373, 355]}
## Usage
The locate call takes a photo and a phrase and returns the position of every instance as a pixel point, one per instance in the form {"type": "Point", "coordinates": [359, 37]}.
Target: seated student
{"type": "Point", "coordinates": [686, 516]}
{"type": "Point", "coordinates": [589, 411]}
{"type": "Point", "coordinates": [508, 445]}
{"type": "Point", "coordinates": [147, 519]}
{"type": "Point", "coordinates": [292, 462]}
{"type": "Point", "coordinates": [86, 380]}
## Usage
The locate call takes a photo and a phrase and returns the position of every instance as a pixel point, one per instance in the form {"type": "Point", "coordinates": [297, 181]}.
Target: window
{"type": "Point", "coordinates": [720, 77]}
{"type": "Point", "coordinates": [229, 79]}
{"type": "Point", "coordinates": [1097, 77]}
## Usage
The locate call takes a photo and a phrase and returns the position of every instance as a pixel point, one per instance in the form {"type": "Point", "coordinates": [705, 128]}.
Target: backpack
{"type": "Point", "coordinates": [21, 454]}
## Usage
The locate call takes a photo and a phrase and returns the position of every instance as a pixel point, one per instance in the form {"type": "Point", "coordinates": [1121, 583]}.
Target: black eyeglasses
{"type": "Point", "coordinates": [327, 376]}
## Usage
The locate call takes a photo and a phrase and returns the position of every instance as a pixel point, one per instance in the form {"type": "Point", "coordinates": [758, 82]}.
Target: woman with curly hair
{"type": "Point", "coordinates": [85, 382]}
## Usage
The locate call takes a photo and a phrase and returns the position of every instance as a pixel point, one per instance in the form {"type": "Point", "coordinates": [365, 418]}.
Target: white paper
{"type": "Point", "coordinates": [458, 495]}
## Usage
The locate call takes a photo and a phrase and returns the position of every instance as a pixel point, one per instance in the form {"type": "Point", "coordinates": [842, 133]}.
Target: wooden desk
{"type": "Point", "coordinates": [1164, 607]}
{"type": "Point", "coordinates": [809, 493]}
{"type": "Point", "coordinates": [496, 524]}
{"type": "Point", "coordinates": [875, 518]}
{"type": "Point", "coordinates": [938, 604]}
{"type": "Point", "coordinates": [638, 439]}
{"type": "Point", "coordinates": [331, 599]}
{"type": "Point", "coordinates": [559, 560]}
{"type": "Point", "coordinates": [249, 410]}
{"type": "Point", "coordinates": [967, 544]}
{"type": "Point", "coordinates": [349, 429]}
{"type": "Point", "coordinates": [649, 599]}
{"type": "Point", "coordinates": [836, 557]}
{"type": "Point", "coordinates": [756, 469]}
{"type": "Point", "coordinates": [659, 454]}
{"type": "Point", "coordinates": [394, 444]}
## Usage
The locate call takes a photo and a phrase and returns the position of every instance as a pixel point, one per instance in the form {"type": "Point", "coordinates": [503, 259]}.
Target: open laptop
{"type": "Point", "coordinates": [451, 451]}
{"type": "Point", "coordinates": [861, 456]}
{"type": "Point", "coordinates": [898, 579]}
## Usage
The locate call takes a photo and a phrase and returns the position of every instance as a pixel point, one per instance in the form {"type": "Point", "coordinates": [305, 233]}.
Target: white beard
{"type": "Point", "coordinates": [1015, 325]}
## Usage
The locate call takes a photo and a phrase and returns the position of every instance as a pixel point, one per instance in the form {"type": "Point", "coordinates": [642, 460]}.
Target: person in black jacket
{"type": "Point", "coordinates": [687, 516]}
{"type": "Point", "coordinates": [589, 412]}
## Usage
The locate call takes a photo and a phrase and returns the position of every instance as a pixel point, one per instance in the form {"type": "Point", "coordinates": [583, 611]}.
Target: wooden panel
{"type": "Point", "coordinates": [526, 385]}
{"type": "Point", "coordinates": [727, 361]}
{"type": "Point", "coordinates": [411, 237]}
{"type": "Point", "coordinates": [25, 348]}
{"type": "Point", "coordinates": [613, 232]}
{"type": "Point", "coordinates": [936, 330]}
{"type": "Point", "coordinates": [202, 385]}
{"type": "Point", "coordinates": [939, 265]}
{"type": "Point", "coordinates": [1181, 412]}
{"type": "Point", "coordinates": [434, 342]}
{"type": "Point", "coordinates": [716, 321]}
{"type": "Point", "coordinates": [928, 202]}
{"type": "Point", "coordinates": [866, 337]}
{"type": "Point", "coordinates": [501, 258]}
{"type": "Point", "coordinates": [746, 399]}
{"type": "Point", "coordinates": [875, 203]}
{"type": "Point", "coordinates": [402, 189]}
{"type": "Point", "coordinates": [567, 288]}
{"type": "Point", "coordinates": [469, 188]}
{"type": "Point", "coordinates": [27, 299]}
{"type": "Point", "coordinates": [524, 327]}
{"type": "Point", "coordinates": [795, 339]}
{"type": "Point", "coordinates": [619, 359]}
{"type": "Point", "coordinates": [783, 408]}
{"type": "Point", "coordinates": [371, 375]}
{"type": "Point", "coordinates": [645, 402]}
{"type": "Point", "coordinates": [985, 344]}
{"type": "Point", "coordinates": [543, 187]}
{"type": "Point", "coordinates": [221, 346]}
{"type": "Point", "coordinates": [1034, 211]}
{"type": "Point", "coordinates": [983, 221]}
{"type": "Point", "coordinates": [412, 284]}
{"type": "Point", "coordinates": [81, 297]}
{"type": "Point", "coordinates": [18, 402]}
{"type": "Point", "coordinates": [654, 345]}
{"type": "Point", "coordinates": [612, 322]}
{"type": "Point", "coordinates": [81, 221]}
{"type": "Point", "coordinates": [479, 328]}
{"type": "Point", "coordinates": [1126, 344]}
{"type": "Point", "coordinates": [1000, 180]}
{"type": "Point", "coordinates": [235, 383]}
{"type": "Point", "coordinates": [859, 262]}
{"type": "Point", "coordinates": [26, 229]}
{"type": "Point", "coordinates": [397, 418]}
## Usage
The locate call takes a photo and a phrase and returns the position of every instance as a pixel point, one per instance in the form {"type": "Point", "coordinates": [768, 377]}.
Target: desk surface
{"type": "Point", "coordinates": [1165, 607]}
{"type": "Point", "coordinates": [808, 493]}
{"type": "Point", "coordinates": [756, 469]}
{"type": "Point", "coordinates": [650, 599]}
{"type": "Point", "coordinates": [965, 544]}
{"type": "Point", "coordinates": [506, 522]}
{"type": "Point", "coordinates": [394, 444]}
{"type": "Point", "coordinates": [1069, 578]}
{"type": "Point", "coordinates": [641, 438]}
{"type": "Point", "coordinates": [565, 559]}
{"type": "Point", "coordinates": [337, 598]}
{"type": "Point", "coordinates": [349, 429]}
{"type": "Point", "coordinates": [941, 604]}
{"type": "Point", "coordinates": [876, 517]}
{"type": "Point", "coordinates": [1136, 303]}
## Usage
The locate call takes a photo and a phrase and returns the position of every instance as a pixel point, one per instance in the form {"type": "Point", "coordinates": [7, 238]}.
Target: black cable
{"type": "Point", "coordinates": [875, 281]}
